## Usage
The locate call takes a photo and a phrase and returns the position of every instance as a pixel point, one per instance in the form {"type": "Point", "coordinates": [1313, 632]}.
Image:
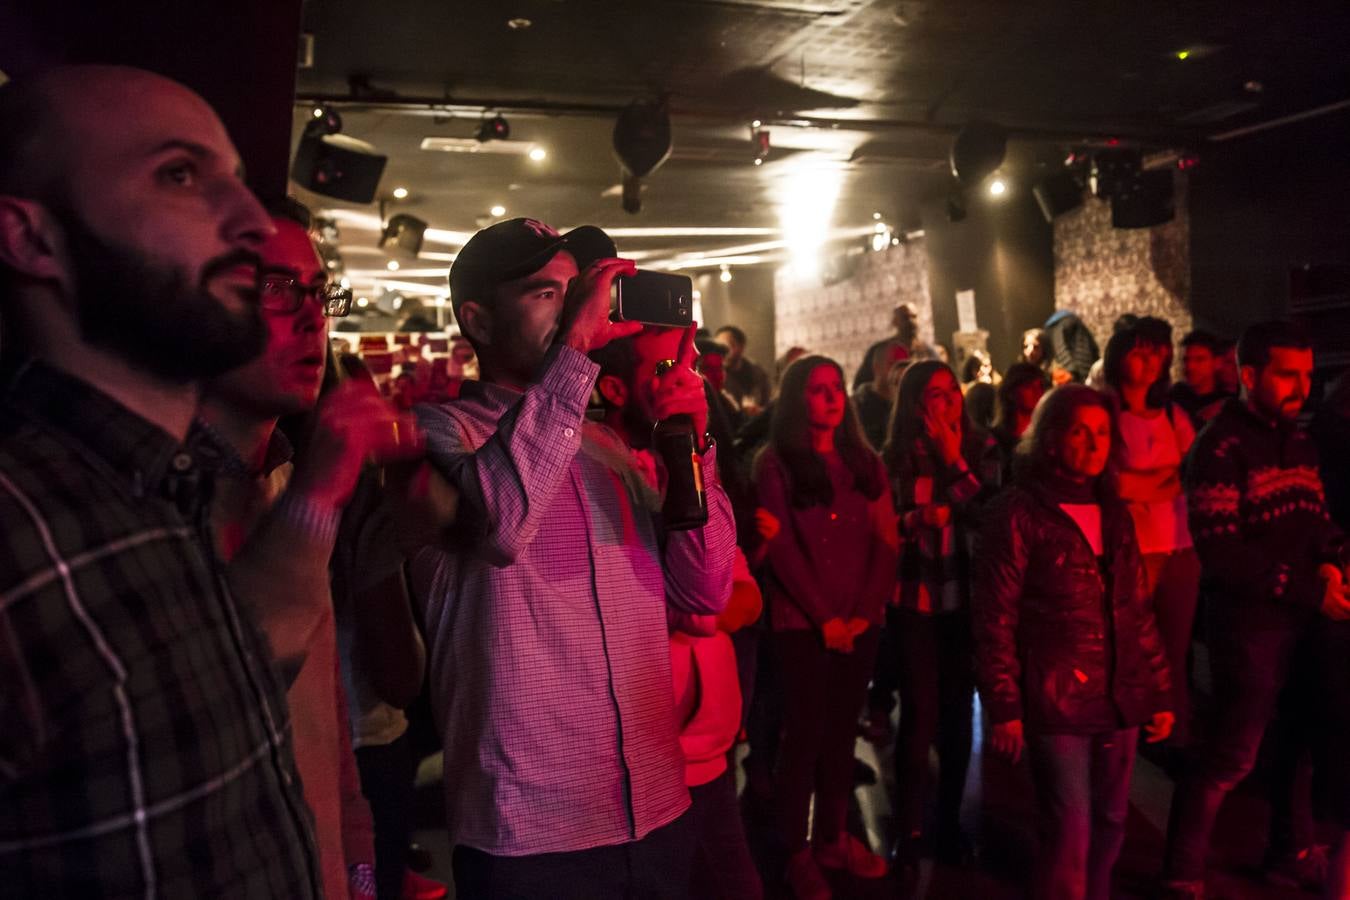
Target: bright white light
{"type": "Point", "coordinates": [345, 281]}
{"type": "Point", "coordinates": [809, 192]}
{"type": "Point", "coordinates": [997, 187]}
{"type": "Point", "coordinates": [877, 216]}
{"type": "Point", "coordinates": [400, 193]}
{"type": "Point", "coordinates": [398, 302]}
{"type": "Point", "coordinates": [538, 154]}
{"type": "Point", "coordinates": [498, 211]}
{"type": "Point", "coordinates": [879, 228]}
{"type": "Point", "coordinates": [698, 295]}
{"type": "Point", "coordinates": [880, 241]}
{"type": "Point", "coordinates": [318, 112]}
{"type": "Point", "coordinates": [363, 302]}
{"type": "Point", "coordinates": [758, 161]}
{"type": "Point", "coordinates": [725, 277]}
{"type": "Point", "coordinates": [392, 265]}
{"type": "Point", "coordinates": [756, 123]}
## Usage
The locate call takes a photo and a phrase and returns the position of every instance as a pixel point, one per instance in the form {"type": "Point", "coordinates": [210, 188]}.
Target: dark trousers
{"type": "Point", "coordinates": [1082, 798]}
{"type": "Point", "coordinates": [387, 773]}
{"type": "Point", "coordinates": [1251, 668]}
{"type": "Point", "coordinates": [1174, 584]}
{"type": "Point", "coordinates": [822, 695]}
{"type": "Point", "coordinates": [937, 686]}
{"type": "Point", "coordinates": [723, 868]}
{"type": "Point", "coordinates": [654, 868]}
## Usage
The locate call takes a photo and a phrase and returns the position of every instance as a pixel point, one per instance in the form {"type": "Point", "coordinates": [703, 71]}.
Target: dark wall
{"type": "Point", "coordinates": [240, 56]}
{"type": "Point", "coordinates": [1260, 205]}
{"type": "Point", "coordinates": [1004, 251]}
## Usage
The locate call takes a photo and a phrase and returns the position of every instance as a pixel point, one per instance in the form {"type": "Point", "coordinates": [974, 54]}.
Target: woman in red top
{"type": "Point", "coordinates": [831, 570]}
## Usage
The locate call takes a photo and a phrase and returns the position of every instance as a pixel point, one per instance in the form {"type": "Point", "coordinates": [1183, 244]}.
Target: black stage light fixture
{"type": "Point", "coordinates": [641, 143]}
{"type": "Point", "coordinates": [1112, 169]}
{"type": "Point", "coordinates": [1058, 194]}
{"type": "Point", "coordinates": [335, 165]}
{"type": "Point", "coordinates": [1145, 201]}
{"type": "Point", "coordinates": [977, 151]}
{"type": "Point", "coordinates": [405, 232]}
{"type": "Point", "coordinates": [493, 129]}
{"type": "Point", "coordinates": [325, 121]}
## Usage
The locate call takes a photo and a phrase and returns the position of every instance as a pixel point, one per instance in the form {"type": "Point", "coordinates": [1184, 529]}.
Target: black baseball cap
{"type": "Point", "coordinates": [516, 248]}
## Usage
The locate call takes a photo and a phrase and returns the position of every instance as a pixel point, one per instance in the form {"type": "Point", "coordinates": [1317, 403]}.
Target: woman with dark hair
{"type": "Point", "coordinates": [1068, 655]}
{"type": "Point", "coordinates": [831, 569]}
{"type": "Point", "coordinates": [1155, 436]}
{"type": "Point", "coordinates": [941, 467]}
{"type": "Point", "coordinates": [1022, 387]}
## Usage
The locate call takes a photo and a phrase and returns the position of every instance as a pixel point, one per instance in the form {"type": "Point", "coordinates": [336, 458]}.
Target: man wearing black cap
{"type": "Point", "coordinates": [547, 616]}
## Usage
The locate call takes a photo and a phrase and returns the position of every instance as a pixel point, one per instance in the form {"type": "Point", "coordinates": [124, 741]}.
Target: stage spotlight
{"type": "Point", "coordinates": [538, 154]}
{"type": "Point", "coordinates": [760, 138]}
{"type": "Point", "coordinates": [405, 232]}
{"type": "Point", "coordinates": [998, 187]}
{"type": "Point", "coordinates": [725, 275]}
{"type": "Point", "coordinates": [325, 121]}
{"type": "Point", "coordinates": [400, 193]}
{"type": "Point", "coordinates": [493, 129]}
{"type": "Point", "coordinates": [498, 211]}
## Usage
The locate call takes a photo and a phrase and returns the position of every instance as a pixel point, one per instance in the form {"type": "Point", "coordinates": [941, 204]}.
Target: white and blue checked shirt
{"type": "Point", "coordinates": [550, 662]}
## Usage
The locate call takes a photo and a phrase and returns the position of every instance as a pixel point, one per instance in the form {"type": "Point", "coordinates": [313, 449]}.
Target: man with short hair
{"type": "Point", "coordinates": [146, 749]}
{"type": "Point", "coordinates": [1270, 555]}
{"type": "Point", "coordinates": [905, 321]}
{"type": "Point", "coordinates": [746, 382]}
{"type": "Point", "coordinates": [876, 397]}
{"type": "Point", "coordinates": [1199, 393]}
{"type": "Point", "coordinates": [350, 425]}
{"type": "Point", "coordinates": [546, 619]}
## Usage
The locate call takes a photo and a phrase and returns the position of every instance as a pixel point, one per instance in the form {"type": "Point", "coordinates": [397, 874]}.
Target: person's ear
{"type": "Point", "coordinates": [1248, 376]}
{"type": "Point", "coordinates": [614, 390]}
{"type": "Point", "coordinates": [475, 320]}
{"type": "Point", "coordinates": [29, 239]}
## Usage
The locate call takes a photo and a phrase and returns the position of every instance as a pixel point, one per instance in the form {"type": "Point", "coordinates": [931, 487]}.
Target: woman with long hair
{"type": "Point", "coordinates": [830, 571]}
{"type": "Point", "coordinates": [941, 468]}
{"type": "Point", "coordinates": [1069, 660]}
{"type": "Point", "coordinates": [1155, 436]}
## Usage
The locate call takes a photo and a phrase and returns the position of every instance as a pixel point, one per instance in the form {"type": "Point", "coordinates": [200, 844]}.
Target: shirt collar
{"type": "Point", "coordinates": [225, 458]}
{"type": "Point", "coordinates": [105, 430]}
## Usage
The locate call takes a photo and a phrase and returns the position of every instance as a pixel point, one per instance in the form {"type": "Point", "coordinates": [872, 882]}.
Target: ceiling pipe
{"type": "Point", "coordinates": [475, 106]}
{"type": "Point", "coordinates": [1315, 112]}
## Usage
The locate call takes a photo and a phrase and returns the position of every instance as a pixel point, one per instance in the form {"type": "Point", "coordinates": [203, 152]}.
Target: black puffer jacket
{"type": "Point", "coordinates": [1052, 649]}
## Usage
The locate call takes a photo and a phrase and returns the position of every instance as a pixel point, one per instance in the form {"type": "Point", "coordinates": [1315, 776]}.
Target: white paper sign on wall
{"type": "Point", "coordinates": [965, 311]}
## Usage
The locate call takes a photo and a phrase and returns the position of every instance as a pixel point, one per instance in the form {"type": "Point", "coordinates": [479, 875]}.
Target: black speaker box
{"type": "Point", "coordinates": [1058, 194]}
{"type": "Point", "coordinates": [405, 232]}
{"type": "Point", "coordinates": [338, 166]}
{"type": "Point", "coordinates": [1112, 169]}
{"type": "Point", "coordinates": [1145, 201]}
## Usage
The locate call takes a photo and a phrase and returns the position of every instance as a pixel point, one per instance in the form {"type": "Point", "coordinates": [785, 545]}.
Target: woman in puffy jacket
{"type": "Point", "coordinates": [1068, 658]}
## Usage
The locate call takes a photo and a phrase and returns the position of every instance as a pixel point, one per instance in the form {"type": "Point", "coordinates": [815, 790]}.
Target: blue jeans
{"type": "Point", "coordinates": [1083, 796]}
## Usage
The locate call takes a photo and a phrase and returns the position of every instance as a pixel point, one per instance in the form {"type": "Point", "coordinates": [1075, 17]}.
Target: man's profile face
{"type": "Point", "coordinates": [710, 367]}
{"type": "Point", "coordinates": [1279, 389]}
{"type": "Point", "coordinates": [735, 347]}
{"type": "Point", "coordinates": [286, 377]}
{"type": "Point", "coordinates": [651, 346]}
{"type": "Point", "coordinates": [158, 230]}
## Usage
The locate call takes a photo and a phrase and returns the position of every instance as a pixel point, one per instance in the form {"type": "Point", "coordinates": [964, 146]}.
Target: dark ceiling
{"type": "Point", "coordinates": [868, 90]}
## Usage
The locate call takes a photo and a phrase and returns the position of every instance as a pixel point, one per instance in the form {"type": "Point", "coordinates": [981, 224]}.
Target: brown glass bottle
{"type": "Point", "coordinates": [674, 441]}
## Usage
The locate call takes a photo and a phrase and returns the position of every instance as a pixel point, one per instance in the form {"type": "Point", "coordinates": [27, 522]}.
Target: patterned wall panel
{"type": "Point", "coordinates": [842, 319]}
{"type": "Point", "coordinates": [1102, 272]}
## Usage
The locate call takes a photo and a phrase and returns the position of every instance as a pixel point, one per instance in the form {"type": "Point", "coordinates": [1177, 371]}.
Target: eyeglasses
{"type": "Point", "coordinates": [286, 294]}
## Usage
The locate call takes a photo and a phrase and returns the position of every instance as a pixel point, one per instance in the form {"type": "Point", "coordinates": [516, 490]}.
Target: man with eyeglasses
{"type": "Point", "coordinates": [347, 426]}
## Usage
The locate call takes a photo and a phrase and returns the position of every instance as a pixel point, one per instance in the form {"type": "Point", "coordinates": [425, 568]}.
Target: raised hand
{"type": "Point", "coordinates": [946, 437]}
{"type": "Point", "coordinates": [1007, 740]}
{"type": "Point", "coordinates": [679, 390]}
{"type": "Point", "coordinates": [354, 426]}
{"type": "Point", "coordinates": [585, 324]}
{"type": "Point", "coordinates": [1159, 727]}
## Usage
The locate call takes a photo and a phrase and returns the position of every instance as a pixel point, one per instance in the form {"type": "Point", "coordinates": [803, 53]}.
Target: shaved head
{"type": "Point", "coordinates": [124, 222]}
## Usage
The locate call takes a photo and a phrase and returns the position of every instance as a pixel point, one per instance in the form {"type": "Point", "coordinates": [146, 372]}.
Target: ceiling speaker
{"type": "Point", "coordinates": [1058, 194]}
{"type": "Point", "coordinates": [1113, 169]}
{"type": "Point", "coordinates": [1145, 201]}
{"type": "Point", "coordinates": [405, 233]}
{"type": "Point", "coordinates": [335, 165]}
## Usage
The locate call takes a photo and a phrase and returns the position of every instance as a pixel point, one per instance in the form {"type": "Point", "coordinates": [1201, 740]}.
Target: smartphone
{"type": "Point", "coordinates": [655, 298]}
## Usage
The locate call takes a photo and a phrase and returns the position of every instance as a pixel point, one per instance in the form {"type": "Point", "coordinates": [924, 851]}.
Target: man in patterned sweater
{"type": "Point", "coordinates": [1260, 522]}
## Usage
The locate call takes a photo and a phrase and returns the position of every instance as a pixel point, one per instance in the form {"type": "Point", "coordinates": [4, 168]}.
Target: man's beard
{"type": "Point", "coordinates": [637, 424]}
{"type": "Point", "coordinates": [152, 316]}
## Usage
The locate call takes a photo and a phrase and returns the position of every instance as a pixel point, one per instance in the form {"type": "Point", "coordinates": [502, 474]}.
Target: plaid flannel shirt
{"type": "Point", "coordinates": [935, 562]}
{"type": "Point", "coordinates": [145, 749]}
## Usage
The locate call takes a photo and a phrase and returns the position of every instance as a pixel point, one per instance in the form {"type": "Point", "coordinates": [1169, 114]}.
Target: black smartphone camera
{"type": "Point", "coordinates": [654, 298]}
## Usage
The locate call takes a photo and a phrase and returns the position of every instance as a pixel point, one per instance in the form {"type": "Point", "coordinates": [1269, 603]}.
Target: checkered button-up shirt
{"type": "Point", "coordinates": [144, 750]}
{"type": "Point", "coordinates": [550, 661]}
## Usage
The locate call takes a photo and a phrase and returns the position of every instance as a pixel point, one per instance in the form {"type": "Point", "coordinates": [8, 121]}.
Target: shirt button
{"type": "Point", "coordinates": [569, 432]}
{"type": "Point", "coordinates": [182, 462]}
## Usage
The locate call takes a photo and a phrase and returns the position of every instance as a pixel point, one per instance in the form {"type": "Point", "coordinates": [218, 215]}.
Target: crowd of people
{"type": "Point", "coordinates": [231, 565]}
